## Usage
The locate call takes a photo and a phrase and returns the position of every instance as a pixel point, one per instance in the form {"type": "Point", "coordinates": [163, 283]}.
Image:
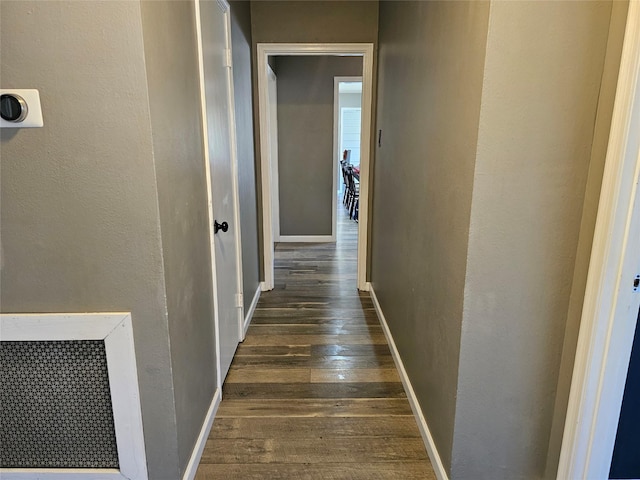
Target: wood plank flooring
{"type": "Point", "coordinates": [313, 392]}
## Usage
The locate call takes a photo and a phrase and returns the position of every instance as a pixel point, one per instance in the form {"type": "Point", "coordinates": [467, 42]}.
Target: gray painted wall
{"type": "Point", "coordinates": [80, 223]}
{"type": "Point", "coordinates": [174, 99]}
{"type": "Point", "coordinates": [351, 100]}
{"type": "Point", "coordinates": [535, 138]}
{"type": "Point", "coordinates": [430, 77]}
{"type": "Point", "coordinates": [311, 21]}
{"type": "Point", "coordinates": [476, 224]}
{"type": "Point", "coordinates": [587, 226]}
{"type": "Point", "coordinates": [241, 50]}
{"type": "Point", "coordinates": [277, 21]}
{"type": "Point", "coordinates": [305, 140]}
{"type": "Point", "coordinates": [108, 212]}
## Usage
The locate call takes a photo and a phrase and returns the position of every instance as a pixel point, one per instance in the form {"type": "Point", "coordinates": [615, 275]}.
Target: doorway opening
{"type": "Point", "coordinates": [272, 176]}
{"type": "Point", "coordinates": [347, 131]}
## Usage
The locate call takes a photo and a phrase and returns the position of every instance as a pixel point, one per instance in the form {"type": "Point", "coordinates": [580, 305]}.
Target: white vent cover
{"type": "Point", "coordinates": [71, 405]}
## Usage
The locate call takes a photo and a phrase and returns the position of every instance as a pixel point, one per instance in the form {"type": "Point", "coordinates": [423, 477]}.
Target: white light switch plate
{"type": "Point", "coordinates": [34, 113]}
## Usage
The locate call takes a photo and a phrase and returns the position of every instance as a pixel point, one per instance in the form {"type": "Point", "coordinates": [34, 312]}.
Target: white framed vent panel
{"type": "Point", "coordinates": [70, 398]}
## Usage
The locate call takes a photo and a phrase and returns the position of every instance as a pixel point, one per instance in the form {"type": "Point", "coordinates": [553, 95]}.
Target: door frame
{"type": "Point", "coordinates": [336, 143]}
{"type": "Point", "coordinates": [224, 5]}
{"type": "Point", "coordinates": [365, 50]}
{"type": "Point", "coordinates": [275, 197]}
{"type": "Point", "coordinates": [611, 302]}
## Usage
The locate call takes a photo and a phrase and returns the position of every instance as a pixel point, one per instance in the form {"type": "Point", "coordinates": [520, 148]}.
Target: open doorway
{"type": "Point", "coordinates": [347, 135]}
{"type": "Point", "coordinates": [279, 179]}
{"type": "Point", "coordinates": [303, 134]}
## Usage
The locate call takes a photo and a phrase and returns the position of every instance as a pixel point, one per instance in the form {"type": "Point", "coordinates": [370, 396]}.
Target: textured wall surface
{"type": "Point", "coordinates": [305, 140]}
{"type": "Point", "coordinates": [587, 225]}
{"type": "Point", "coordinates": [539, 104]}
{"type": "Point", "coordinates": [430, 77]}
{"type": "Point", "coordinates": [345, 21]}
{"type": "Point", "coordinates": [80, 230]}
{"type": "Point", "coordinates": [174, 100]}
{"type": "Point", "coordinates": [241, 49]}
{"type": "Point", "coordinates": [314, 22]}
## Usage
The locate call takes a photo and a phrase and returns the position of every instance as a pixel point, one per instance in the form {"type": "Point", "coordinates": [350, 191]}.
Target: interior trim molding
{"type": "Point", "coordinates": [427, 438]}
{"type": "Point", "coordinates": [198, 448]}
{"type": "Point", "coordinates": [610, 307]}
{"type": "Point", "coordinates": [115, 329]}
{"type": "Point", "coordinates": [307, 239]}
{"type": "Point", "coordinates": [251, 311]}
{"type": "Point", "coordinates": [366, 51]}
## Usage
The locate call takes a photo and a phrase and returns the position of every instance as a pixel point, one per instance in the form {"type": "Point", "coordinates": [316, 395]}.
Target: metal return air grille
{"type": "Point", "coordinates": [55, 405]}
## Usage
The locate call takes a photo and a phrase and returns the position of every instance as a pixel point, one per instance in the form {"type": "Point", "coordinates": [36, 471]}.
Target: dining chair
{"type": "Point", "coordinates": [354, 194]}
{"type": "Point", "coordinates": [345, 182]}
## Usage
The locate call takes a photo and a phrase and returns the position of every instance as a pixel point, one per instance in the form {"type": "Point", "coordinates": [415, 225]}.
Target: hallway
{"type": "Point", "coordinates": [313, 392]}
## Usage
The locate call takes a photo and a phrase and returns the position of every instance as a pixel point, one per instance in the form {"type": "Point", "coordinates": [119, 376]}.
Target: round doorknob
{"type": "Point", "coordinates": [224, 226]}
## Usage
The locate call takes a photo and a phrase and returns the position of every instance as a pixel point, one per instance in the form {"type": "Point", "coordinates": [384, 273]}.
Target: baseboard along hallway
{"type": "Point", "coordinates": [313, 391]}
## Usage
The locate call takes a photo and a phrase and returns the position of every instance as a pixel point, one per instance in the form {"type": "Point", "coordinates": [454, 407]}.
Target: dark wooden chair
{"type": "Point", "coordinates": [353, 194]}
{"type": "Point", "coordinates": [345, 181]}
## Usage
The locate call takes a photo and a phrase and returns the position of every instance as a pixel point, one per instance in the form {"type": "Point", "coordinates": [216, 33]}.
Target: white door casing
{"type": "Point", "coordinates": [272, 92]}
{"type": "Point", "coordinates": [116, 330]}
{"type": "Point", "coordinates": [611, 302]}
{"type": "Point", "coordinates": [365, 50]}
{"type": "Point", "coordinates": [218, 116]}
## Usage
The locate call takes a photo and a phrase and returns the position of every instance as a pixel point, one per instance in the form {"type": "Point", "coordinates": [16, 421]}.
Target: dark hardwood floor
{"type": "Point", "coordinates": [313, 392]}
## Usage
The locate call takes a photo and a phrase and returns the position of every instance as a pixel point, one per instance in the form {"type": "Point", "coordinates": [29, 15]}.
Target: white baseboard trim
{"type": "Point", "coordinates": [307, 238]}
{"type": "Point", "coordinates": [434, 456]}
{"type": "Point", "coordinates": [194, 461]}
{"type": "Point", "coordinates": [251, 310]}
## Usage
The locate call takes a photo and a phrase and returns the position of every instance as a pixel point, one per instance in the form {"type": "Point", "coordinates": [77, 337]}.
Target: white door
{"type": "Point", "coordinates": [218, 101]}
{"type": "Point", "coordinates": [272, 90]}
